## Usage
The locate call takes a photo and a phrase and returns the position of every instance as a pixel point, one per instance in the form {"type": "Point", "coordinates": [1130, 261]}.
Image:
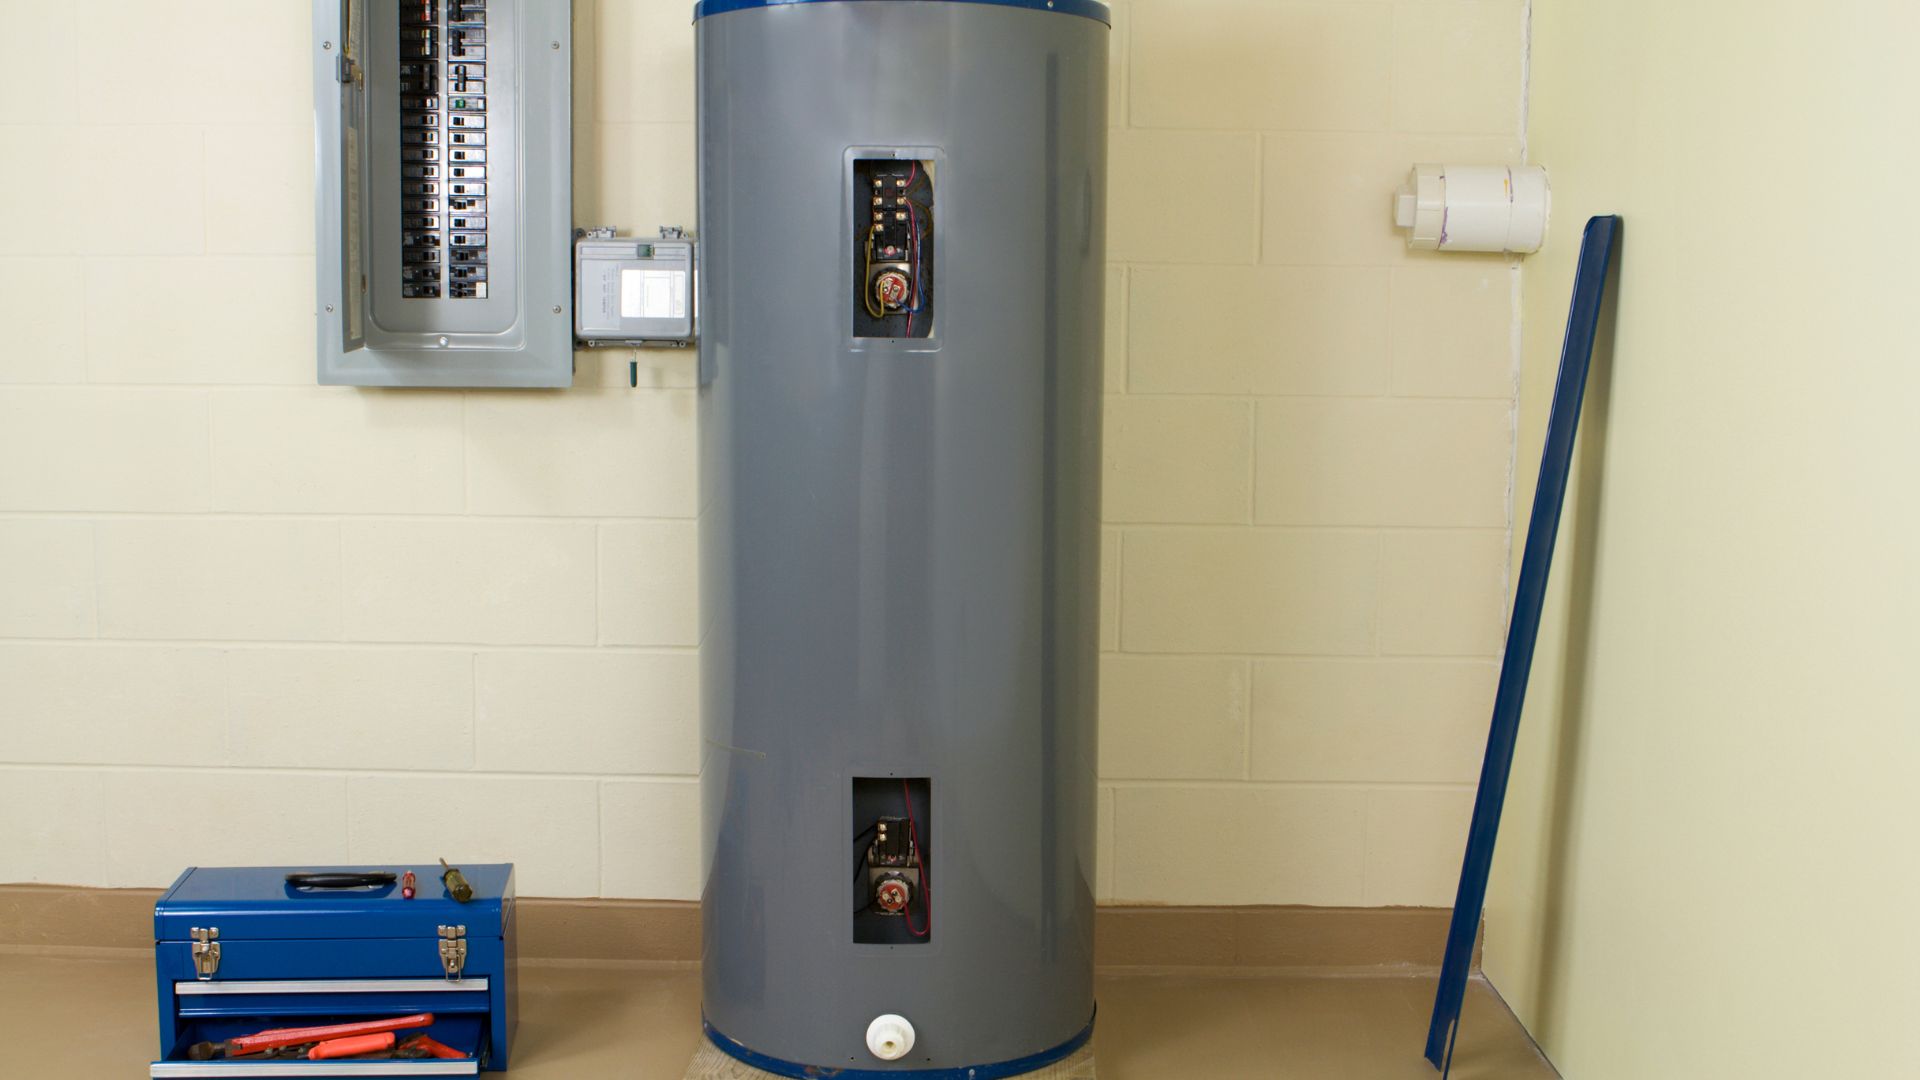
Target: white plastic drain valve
{"type": "Point", "coordinates": [890, 1037]}
{"type": "Point", "coordinates": [1474, 208]}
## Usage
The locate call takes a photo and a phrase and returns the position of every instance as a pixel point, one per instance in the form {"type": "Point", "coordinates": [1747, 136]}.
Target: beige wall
{"type": "Point", "coordinates": [1709, 868]}
{"type": "Point", "coordinates": [249, 619]}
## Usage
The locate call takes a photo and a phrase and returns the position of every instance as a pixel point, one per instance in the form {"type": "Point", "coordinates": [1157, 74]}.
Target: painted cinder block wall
{"type": "Point", "coordinates": [249, 619]}
{"type": "Point", "coordinates": [1708, 864]}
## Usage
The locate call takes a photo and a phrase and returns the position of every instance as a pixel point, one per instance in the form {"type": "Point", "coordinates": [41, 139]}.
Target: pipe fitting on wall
{"type": "Point", "coordinates": [1474, 208]}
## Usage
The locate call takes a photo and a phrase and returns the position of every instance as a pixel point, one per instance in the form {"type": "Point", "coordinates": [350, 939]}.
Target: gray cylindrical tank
{"type": "Point", "coordinates": [900, 525]}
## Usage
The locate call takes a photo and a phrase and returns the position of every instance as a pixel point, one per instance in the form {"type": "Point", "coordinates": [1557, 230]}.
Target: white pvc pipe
{"type": "Point", "coordinates": [1474, 208]}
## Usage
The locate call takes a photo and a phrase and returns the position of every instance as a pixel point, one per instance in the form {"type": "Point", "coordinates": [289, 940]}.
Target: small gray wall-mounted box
{"type": "Point", "coordinates": [444, 186]}
{"type": "Point", "coordinates": [634, 290]}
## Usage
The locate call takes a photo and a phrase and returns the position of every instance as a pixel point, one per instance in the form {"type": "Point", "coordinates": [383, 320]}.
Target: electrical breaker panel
{"type": "Point", "coordinates": [444, 192]}
{"type": "Point", "coordinates": [893, 247]}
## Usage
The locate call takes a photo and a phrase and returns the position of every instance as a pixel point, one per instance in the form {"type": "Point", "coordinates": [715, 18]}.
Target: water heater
{"type": "Point", "coordinates": [902, 216]}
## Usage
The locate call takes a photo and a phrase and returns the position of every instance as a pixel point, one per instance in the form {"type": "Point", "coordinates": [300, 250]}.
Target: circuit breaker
{"type": "Point", "coordinates": [444, 192]}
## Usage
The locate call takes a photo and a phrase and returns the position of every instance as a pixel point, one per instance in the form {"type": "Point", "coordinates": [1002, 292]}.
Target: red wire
{"type": "Point", "coordinates": [913, 242]}
{"type": "Point", "coordinates": [913, 833]}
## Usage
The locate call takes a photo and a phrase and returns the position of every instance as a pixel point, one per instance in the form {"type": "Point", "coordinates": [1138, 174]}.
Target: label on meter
{"type": "Point", "coordinates": [653, 294]}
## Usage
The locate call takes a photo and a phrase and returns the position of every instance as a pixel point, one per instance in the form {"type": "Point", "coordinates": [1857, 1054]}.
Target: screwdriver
{"type": "Point", "coordinates": [456, 883]}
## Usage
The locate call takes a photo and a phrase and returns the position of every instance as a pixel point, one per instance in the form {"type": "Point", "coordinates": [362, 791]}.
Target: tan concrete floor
{"type": "Point", "coordinates": [83, 1018]}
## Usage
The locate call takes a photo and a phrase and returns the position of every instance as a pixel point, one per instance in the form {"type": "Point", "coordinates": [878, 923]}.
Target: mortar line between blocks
{"type": "Point", "coordinates": [1358, 530]}
{"type": "Point", "coordinates": [679, 650]}
{"type": "Point", "coordinates": [1379, 592]}
{"type": "Point", "coordinates": [226, 705]}
{"type": "Point", "coordinates": [335, 645]}
{"type": "Point", "coordinates": [466, 450]}
{"type": "Point", "coordinates": [1366, 849]}
{"type": "Point", "coordinates": [1219, 784]}
{"type": "Point", "coordinates": [346, 816]}
{"type": "Point", "coordinates": [473, 712]}
{"type": "Point", "coordinates": [347, 515]}
{"type": "Point", "coordinates": [1113, 874]}
{"type": "Point", "coordinates": [1128, 390]}
{"type": "Point", "coordinates": [344, 773]}
{"type": "Point", "coordinates": [93, 545]}
{"type": "Point", "coordinates": [1246, 719]}
{"type": "Point", "coordinates": [206, 200]}
{"type": "Point", "coordinates": [1389, 133]}
{"type": "Point", "coordinates": [1253, 462]}
{"type": "Point", "coordinates": [1260, 197]}
{"type": "Point", "coordinates": [340, 565]}
{"type": "Point", "coordinates": [213, 500]}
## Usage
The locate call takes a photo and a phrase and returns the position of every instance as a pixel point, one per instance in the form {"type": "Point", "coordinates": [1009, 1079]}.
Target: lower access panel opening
{"type": "Point", "coordinates": [892, 880]}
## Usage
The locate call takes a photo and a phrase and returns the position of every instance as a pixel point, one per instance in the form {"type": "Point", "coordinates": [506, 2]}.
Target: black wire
{"type": "Point", "coordinates": [860, 867]}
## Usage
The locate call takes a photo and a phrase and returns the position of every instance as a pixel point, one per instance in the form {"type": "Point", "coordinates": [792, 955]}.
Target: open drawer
{"type": "Point", "coordinates": [215, 1012]}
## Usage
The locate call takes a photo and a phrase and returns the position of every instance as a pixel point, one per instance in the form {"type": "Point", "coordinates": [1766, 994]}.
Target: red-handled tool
{"type": "Point", "coordinates": [407, 886]}
{"type": "Point", "coordinates": [278, 1037]}
{"type": "Point", "coordinates": [351, 1047]}
{"type": "Point", "coordinates": [431, 1047]}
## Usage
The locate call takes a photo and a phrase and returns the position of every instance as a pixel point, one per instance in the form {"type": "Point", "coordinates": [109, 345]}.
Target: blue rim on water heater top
{"type": "Point", "coordinates": [1092, 9]}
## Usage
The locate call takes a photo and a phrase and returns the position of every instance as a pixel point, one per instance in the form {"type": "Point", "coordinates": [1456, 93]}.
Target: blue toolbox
{"type": "Point", "coordinates": [242, 951]}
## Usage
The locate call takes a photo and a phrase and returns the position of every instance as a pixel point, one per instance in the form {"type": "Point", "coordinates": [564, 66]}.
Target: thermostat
{"type": "Point", "coordinates": [631, 291]}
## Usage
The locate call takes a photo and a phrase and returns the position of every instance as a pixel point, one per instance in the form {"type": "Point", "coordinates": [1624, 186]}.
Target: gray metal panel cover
{"type": "Point", "coordinates": [900, 538]}
{"type": "Point", "coordinates": [522, 333]}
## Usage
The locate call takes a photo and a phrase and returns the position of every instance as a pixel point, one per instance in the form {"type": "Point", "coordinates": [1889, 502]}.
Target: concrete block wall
{"type": "Point", "coordinates": [247, 619]}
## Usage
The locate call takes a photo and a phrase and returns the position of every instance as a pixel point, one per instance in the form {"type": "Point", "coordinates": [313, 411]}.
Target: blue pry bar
{"type": "Point", "coordinates": [1556, 459]}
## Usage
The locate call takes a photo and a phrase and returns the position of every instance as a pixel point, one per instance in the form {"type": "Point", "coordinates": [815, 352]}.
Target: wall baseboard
{"type": "Point", "coordinates": [47, 918]}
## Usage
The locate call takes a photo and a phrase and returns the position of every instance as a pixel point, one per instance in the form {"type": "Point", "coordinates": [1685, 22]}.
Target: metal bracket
{"type": "Point", "coordinates": [206, 951]}
{"type": "Point", "coordinates": [453, 950]}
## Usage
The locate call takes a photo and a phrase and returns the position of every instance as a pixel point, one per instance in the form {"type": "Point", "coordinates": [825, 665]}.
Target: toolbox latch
{"type": "Point", "coordinates": [453, 949]}
{"type": "Point", "coordinates": [206, 951]}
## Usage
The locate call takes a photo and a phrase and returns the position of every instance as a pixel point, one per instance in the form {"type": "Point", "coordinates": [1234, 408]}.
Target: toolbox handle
{"type": "Point", "coordinates": [369, 880]}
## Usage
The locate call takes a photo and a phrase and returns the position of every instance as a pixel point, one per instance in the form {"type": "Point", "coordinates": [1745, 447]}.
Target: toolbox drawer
{"type": "Point", "coordinates": [307, 998]}
{"type": "Point", "coordinates": [464, 1032]}
{"type": "Point", "coordinates": [367, 1070]}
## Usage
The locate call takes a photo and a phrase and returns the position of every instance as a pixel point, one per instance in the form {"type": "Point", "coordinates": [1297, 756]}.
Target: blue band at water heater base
{"type": "Point", "coordinates": [999, 1071]}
